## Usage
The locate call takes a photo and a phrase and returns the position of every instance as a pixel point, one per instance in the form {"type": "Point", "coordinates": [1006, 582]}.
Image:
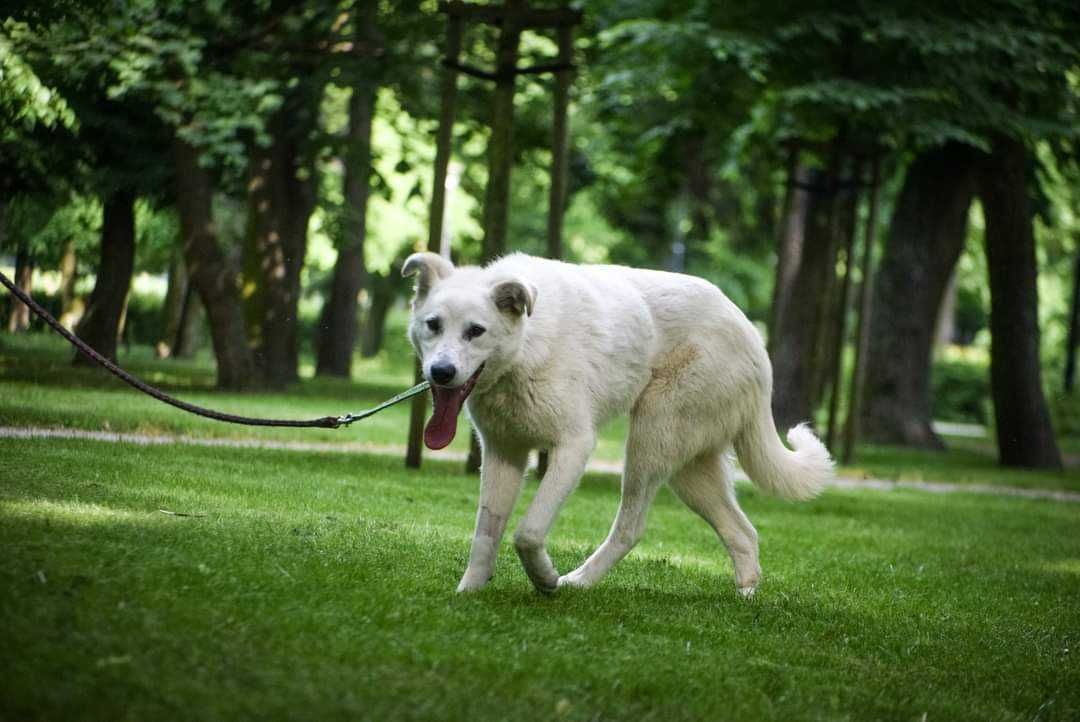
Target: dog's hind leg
{"type": "Point", "coordinates": [705, 485]}
{"type": "Point", "coordinates": [641, 480]}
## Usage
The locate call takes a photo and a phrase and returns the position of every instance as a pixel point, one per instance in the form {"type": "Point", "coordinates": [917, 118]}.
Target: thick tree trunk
{"type": "Point", "coordinates": [281, 202]}
{"type": "Point", "coordinates": [210, 272]}
{"type": "Point", "coordinates": [1025, 436]}
{"type": "Point", "coordinates": [337, 327]}
{"type": "Point", "coordinates": [100, 325]}
{"type": "Point", "coordinates": [19, 318]}
{"type": "Point", "coordinates": [802, 322]}
{"type": "Point", "coordinates": [925, 238]}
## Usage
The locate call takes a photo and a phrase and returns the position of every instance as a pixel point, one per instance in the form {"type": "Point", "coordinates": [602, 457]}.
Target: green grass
{"type": "Point", "coordinates": [320, 587]}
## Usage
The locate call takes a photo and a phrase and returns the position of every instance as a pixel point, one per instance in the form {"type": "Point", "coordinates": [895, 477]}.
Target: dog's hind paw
{"type": "Point", "coordinates": [573, 580]}
{"type": "Point", "coordinates": [747, 592]}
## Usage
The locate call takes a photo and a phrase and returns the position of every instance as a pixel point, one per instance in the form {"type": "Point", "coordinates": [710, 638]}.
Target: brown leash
{"type": "Point", "coordinates": [325, 422]}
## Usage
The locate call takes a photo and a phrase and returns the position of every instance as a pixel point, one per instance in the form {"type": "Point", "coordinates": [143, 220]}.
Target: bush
{"type": "Point", "coordinates": [960, 387]}
{"type": "Point", "coordinates": [1065, 413]}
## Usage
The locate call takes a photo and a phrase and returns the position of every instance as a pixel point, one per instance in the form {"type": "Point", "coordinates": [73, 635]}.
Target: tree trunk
{"type": "Point", "coordinates": [382, 297]}
{"type": "Point", "coordinates": [337, 327]}
{"type": "Point", "coordinates": [19, 318]}
{"type": "Point", "coordinates": [70, 306]}
{"type": "Point", "coordinates": [557, 196]}
{"type": "Point", "coordinates": [925, 238]}
{"type": "Point", "coordinates": [174, 307]}
{"type": "Point", "coordinates": [1025, 436]}
{"type": "Point", "coordinates": [100, 325]}
{"type": "Point", "coordinates": [501, 142]}
{"type": "Point", "coordinates": [789, 245]}
{"type": "Point", "coordinates": [281, 202]}
{"type": "Point", "coordinates": [801, 323]}
{"type": "Point", "coordinates": [848, 221]}
{"type": "Point", "coordinates": [210, 272]}
{"type": "Point", "coordinates": [186, 340]}
{"type": "Point", "coordinates": [414, 449]}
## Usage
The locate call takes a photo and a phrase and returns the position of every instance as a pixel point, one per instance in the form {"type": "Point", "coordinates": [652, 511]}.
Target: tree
{"type": "Point", "coordinates": [100, 325]}
{"type": "Point", "coordinates": [1022, 422]}
{"type": "Point", "coordinates": [926, 235]}
{"type": "Point", "coordinates": [338, 324]}
{"type": "Point", "coordinates": [210, 272]}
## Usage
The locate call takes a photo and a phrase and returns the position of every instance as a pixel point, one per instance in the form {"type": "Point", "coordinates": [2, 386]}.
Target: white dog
{"type": "Point", "coordinates": [547, 352]}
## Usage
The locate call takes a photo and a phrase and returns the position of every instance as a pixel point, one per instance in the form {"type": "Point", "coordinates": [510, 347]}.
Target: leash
{"type": "Point", "coordinates": [325, 422]}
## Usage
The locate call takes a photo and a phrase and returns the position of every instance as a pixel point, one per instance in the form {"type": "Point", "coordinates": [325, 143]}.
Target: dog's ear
{"type": "Point", "coordinates": [429, 268]}
{"type": "Point", "coordinates": [514, 296]}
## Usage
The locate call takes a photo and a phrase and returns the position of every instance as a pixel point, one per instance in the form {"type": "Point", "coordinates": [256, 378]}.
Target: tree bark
{"type": "Point", "coordinates": [281, 202]}
{"type": "Point", "coordinates": [801, 323]}
{"type": "Point", "coordinates": [789, 245]}
{"type": "Point", "coordinates": [210, 272]}
{"type": "Point", "coordinates": [1025, 436]}
{"type": "Point", "coordinates": [926, 235]}
{"type": "Point", "coordinates": [100, 325]}
{"type": "Point", "coordinates": [337, 327]}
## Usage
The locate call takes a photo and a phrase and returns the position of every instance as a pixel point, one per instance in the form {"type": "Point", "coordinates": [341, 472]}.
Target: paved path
{"type": "Point", "coordinates": [612, 467]}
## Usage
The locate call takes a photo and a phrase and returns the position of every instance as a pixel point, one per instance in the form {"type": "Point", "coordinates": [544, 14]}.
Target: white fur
{"type": "Point", "coordinates": [669, 350]}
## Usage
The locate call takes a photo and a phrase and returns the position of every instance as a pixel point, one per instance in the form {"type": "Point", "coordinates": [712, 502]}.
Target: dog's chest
{"type": "Point", "coordinates": [520, 410]}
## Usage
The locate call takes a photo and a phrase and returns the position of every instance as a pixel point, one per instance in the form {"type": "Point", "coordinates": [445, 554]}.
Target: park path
{"type": "Point", "coordinates": [610, 467]}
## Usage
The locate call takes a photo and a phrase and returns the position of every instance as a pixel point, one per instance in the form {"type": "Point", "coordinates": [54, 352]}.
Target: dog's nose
{"type": "Point", "coordinates": [443, 373]}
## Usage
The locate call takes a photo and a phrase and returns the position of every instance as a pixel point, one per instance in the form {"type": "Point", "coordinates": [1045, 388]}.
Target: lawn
{"type": "Point", "coordinates": [292, 584]}
{"type": "Point", "coordinates": [321, 586]}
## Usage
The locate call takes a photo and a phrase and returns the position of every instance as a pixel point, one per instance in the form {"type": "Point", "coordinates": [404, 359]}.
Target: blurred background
{"type": "Point", "coordinates": [220, 195]}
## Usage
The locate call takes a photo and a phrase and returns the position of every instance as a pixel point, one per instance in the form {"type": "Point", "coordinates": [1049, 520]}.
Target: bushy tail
{"type": "Point", "coordinates": [798, 474]}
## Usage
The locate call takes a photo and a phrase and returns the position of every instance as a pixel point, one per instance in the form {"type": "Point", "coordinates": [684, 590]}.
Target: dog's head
{"type": "Point", "coordinates": [464, 321]}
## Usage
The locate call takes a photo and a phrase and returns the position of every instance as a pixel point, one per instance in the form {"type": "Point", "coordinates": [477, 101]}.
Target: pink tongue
{"type": "Point", "coordinates": [443, 425]}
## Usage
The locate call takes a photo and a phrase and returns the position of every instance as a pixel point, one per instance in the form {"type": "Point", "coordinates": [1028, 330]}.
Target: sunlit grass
{"type": "Point", "coordinates": [321, 586]}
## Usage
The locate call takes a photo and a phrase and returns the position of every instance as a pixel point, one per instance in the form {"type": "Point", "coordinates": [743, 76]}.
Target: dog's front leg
{"type": "Point", "coordinates": [500, 484]}
{"type": "Point", "coordinates": [566, 464]}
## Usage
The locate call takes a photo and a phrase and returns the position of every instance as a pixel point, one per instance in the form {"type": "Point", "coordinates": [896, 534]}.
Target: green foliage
{"type": "Point", "coordinates": [26, 102]}
{"type": "Point", "coordinates": [960, 388]}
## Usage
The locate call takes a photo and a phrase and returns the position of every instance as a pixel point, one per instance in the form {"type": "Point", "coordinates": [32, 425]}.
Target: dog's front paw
{"type": "Point", "coordinates": [747, 592]}
{"type": "Point", "coordinates": [472, 582]}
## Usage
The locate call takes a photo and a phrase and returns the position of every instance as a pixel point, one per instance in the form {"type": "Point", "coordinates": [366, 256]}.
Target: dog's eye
{"type": "Point", "coordinates": [434, 325]}
{"type": "Point", "coordinates": [473, 331]}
